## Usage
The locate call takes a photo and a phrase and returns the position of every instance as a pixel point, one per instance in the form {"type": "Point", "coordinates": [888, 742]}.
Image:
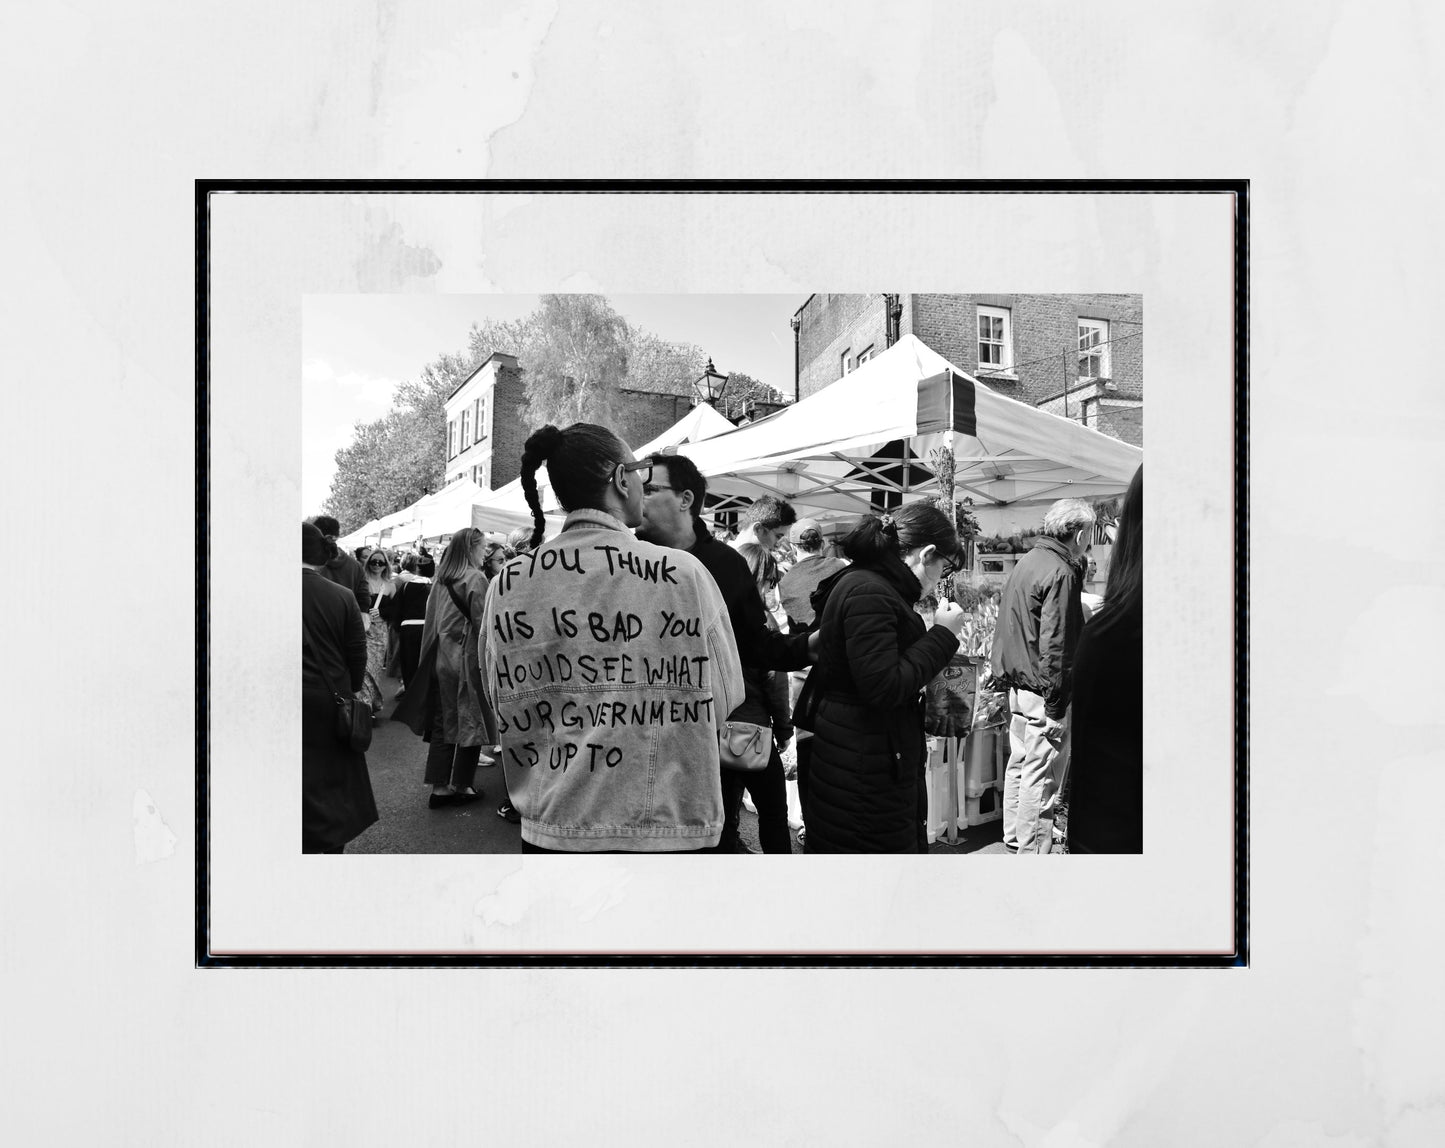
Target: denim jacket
{"type": "Point", "coordinates": [610, 663]}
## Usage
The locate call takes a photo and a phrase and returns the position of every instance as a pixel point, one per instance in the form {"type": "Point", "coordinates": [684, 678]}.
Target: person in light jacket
{"type": "Point", "coordinates": [610, 663]}
{"type": "Point", "coordinates": [445, 705]}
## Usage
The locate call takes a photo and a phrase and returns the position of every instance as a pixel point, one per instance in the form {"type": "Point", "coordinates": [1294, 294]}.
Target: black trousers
{"type": "Point", "coordinates": [769, 790]}
{"type": "Point", "coordinates": [410, 652]}
{"type": "Point", "coordinates": [456, 764]}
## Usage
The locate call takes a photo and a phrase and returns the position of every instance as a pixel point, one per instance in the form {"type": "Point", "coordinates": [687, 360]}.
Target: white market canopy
{"type": "Point", "coordinates": [431, 516]}
{"type": "Point", "coordinates": [874, 429]}
{"type": "Point", "coordinates": [505, 508]}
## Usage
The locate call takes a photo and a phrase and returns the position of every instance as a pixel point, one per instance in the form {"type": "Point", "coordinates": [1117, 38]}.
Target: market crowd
{"type": "Point", "coordinates": [636, 675]}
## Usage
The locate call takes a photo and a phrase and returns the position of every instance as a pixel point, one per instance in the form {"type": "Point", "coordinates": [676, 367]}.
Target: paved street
{"type": "Point", "coordinates": [397, 760]}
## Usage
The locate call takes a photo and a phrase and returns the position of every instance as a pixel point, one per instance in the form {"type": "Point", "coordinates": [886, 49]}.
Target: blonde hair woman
{"type": "Point", "coordinates": [446, 705]}
{"type": "Point", "coordinates": [380, 585]}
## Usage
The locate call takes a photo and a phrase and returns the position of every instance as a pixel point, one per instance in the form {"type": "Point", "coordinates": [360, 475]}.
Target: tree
{"type": "Point", "coordinates": [661, 367]}
{"type": "Point", "coordinates": [742, 392]}
{"type": "Point", "coordinates": [392, 462]}
{"type": "Point", "coordinates": [576, 354]}
{"type": "Point", "coordinates": [576, 359]}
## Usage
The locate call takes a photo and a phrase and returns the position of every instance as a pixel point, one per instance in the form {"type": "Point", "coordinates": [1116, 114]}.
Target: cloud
{"type": "Point", "coordinates": [315, 371]}
{"type": "Point", "coordinates": [332, 403]}
{"type": "Point", "coordinates": [342, 398]}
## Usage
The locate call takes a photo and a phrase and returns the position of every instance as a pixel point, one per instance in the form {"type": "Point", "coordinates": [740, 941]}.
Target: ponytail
{"type": "Point", "coordinates": [580, 460]}
{"type": "Point", "coordinates": [874, 537]}
{"type": "Point", "coordinates": [537, 450]}
{"type": "Point", "coordinates": [900, 531]}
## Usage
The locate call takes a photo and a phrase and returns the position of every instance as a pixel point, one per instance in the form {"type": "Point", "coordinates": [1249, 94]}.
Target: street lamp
{"type": "Point", "coordinates": [709, 386]}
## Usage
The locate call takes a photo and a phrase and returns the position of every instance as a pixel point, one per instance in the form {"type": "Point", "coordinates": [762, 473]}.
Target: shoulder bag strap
{"type": "Point", "coordinates": [460, 604]}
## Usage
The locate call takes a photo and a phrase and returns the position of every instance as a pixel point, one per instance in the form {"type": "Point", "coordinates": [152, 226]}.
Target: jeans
{"type": "Point", "coordinates": [528, 847]}
{"type": "Point", "coordinates": [769, 791]}
{"type": "Point", "coordinates": [1030, 781]}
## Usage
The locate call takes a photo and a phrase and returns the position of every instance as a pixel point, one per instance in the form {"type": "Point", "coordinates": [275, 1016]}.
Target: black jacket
{"type": "Point", "coordinates": [346, 571]}
{"type": "Point", "coordinates": [1106, 734]}
{"type": "Point", "coordinates": [333, 654]}
{"type": "Point", "coordinates": [758, 646]}
{"type": "Point", "coordinates": [1039, 621]}
{"type": "Point", "coordinates": [866, 781]}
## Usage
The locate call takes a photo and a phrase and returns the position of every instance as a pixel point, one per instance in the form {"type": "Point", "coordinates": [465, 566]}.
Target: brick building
{"type": "Point", "coordinates": [1075, 355]}
{"type": "Point", "coordinates": [485, 437]}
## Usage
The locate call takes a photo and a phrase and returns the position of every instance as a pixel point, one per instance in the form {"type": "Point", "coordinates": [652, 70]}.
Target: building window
{"type": "Point", "coordinates": [451, 438]}
{"type": "Point", "coordinates": [479, 419]}
{"type": "Point", "coordinates": [865, 354]}
{"type": "Point", "coordinates": [466, 429]}
{"type": "Point", "coordinates": [1093, 349]}
{"type": "Point", "coordinates": [995, 339]}
{"type": "Point", "coordinates": [847, 362]}
{"type": "Point", "coordinates": [1091, 413]}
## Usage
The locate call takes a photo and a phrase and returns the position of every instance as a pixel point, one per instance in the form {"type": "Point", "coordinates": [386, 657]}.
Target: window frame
{"type": "Point", "coordinates": [1099, 350]}
{"type": "Point", "coordinates": [864, 355]}
{"type": "Point", "coordinates": [1005, 343]}
{"type": "Point", "coordinates": [466, 437]}
{"type": "Point", "coordinates": [847, 361]}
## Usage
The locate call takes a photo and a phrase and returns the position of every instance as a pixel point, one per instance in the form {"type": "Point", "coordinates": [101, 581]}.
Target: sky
{"type": "Point", "coordinates": [357, 348]}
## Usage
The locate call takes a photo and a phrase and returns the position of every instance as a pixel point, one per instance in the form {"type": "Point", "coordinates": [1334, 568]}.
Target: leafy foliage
{"type": "Point", "coordinates": [392, 462]}
{"type": "Point", "coordinates": [577, 355]}
{"type": "Point", "coordinates": [742, 392]}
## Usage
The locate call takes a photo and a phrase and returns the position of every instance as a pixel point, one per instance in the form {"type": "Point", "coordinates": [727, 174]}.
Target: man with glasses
{"type": "Point", "coordinates": [673, 493]}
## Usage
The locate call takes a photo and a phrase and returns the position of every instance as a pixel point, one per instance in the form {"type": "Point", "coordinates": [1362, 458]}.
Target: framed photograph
{"type": "Point", "coordinates": [853, 347]}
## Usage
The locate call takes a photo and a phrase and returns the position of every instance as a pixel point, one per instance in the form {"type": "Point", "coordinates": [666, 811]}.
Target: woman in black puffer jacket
{"type": "Point", "coordinates": [866, 791]}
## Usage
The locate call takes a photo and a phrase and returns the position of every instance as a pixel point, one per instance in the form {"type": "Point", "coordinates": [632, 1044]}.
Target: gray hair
{"type": "Point", "coordinates": [1066, 516]}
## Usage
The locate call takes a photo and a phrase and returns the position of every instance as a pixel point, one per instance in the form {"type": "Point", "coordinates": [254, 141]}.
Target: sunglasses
{"type": "Point", "coordinates": [375, 565]}
{"type": "Point", "coordinates": [642, 466]}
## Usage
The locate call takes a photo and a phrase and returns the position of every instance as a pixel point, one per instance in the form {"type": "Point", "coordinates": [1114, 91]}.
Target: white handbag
{"type": "Point", "coordinates": [744, 746]}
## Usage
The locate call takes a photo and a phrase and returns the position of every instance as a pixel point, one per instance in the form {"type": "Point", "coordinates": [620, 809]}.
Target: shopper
{"type": "Point", "coordinates": [380, 586]}
{"type": "Point", "coordinates": [673, 499]}
{"type": "Point", "coordinates": [1039, 620]}
{"type": "Point", "coordinates": [867, 790]}
{"type": "Point", "coordinates": [611, 664]}
{"type": "Point", "coordinates": [445, 703]}
{"type": "Point", "coordinates": [341, 567]}
{"type": "Point", "coordinates": [336, 798]}
{"type": "Point", "coordinates": [1106, 795]}
{"type": "Point", "coordinates": [765, 704]}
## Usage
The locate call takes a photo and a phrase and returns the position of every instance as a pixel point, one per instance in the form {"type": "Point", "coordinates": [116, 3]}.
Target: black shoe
{"type": "Point", "coordinates": [437, 800]}
{"type": "Point", "coordinates": [507, 813]}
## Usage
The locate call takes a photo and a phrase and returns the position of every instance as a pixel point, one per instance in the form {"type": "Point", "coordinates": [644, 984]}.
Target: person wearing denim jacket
{"type": "Point", "coordinates": [610, 663]}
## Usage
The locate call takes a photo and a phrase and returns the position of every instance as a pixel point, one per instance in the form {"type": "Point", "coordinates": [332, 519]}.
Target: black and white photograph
{"type": "Point", "coordinates": [983, 502]}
